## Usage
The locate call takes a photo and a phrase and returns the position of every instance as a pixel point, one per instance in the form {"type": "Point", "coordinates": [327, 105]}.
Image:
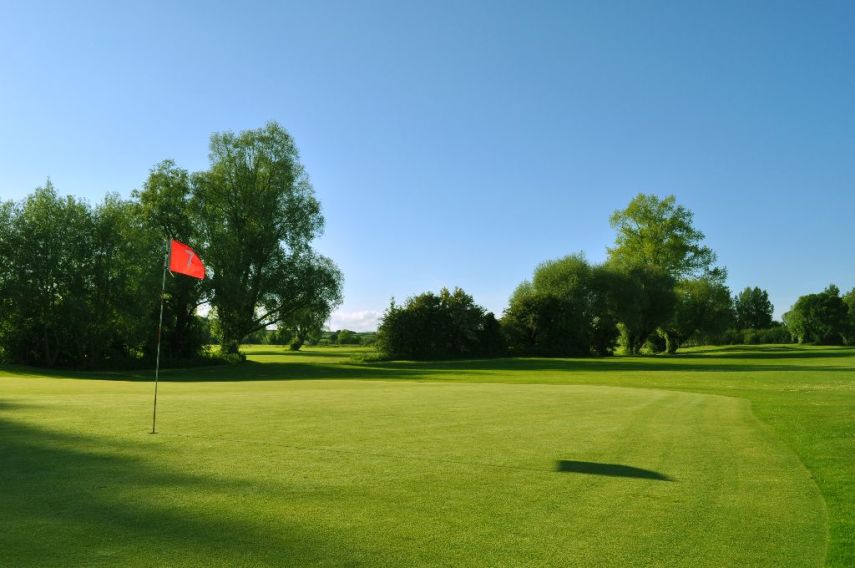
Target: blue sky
{"type": "Point", "coordinates": [462, 143]}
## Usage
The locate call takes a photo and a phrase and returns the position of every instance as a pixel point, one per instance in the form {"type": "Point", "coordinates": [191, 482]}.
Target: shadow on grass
{"type": "Point", "coordinates": [767, 352]}
{"type": "Point", "coordinates": [329, 354]}
{"type": "Point", "coordinates": [315, 365]}
{"type": "Point", "coordinates": [608, 469]}
{"type": "Point", "coordinates": [257, 371]}
{"type": "Point", "coordinates": [675, 364]}
{"type": "Point", "coordinates": [80, 500]}
{"type": "Point", "coordinates": [763, 360]}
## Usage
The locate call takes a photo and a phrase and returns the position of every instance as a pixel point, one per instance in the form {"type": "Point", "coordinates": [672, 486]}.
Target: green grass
{"type": "Point", "coordinates": [620, 461]}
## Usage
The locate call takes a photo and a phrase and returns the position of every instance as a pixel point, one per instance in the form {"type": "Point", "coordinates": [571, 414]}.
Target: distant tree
{"type": "Point", "coordinates": [257, 216]}
{"type": "Point", "coordinates": [849, 299]}
{"type": "Point", "coordinates": [306, 323]}
{"type": "Point", "coordinates": [704, 310]}
{"type": "Point", "coordinates": [819, 318]}
{"type": "Point", "coordinates": [645, 301]}
{"type": "Point", "coordinates": [655, 232]}
{"type": "Point", "coordinates": [347, 337]}
{"type": "Point", "coordinates": [567, 309]}
{"type": "Point", "coordinates": [438, 326]}
{"type": "Point", "coordinates": [753, 309]}
{"type": "Point", "coordinates": [656, 247]}
{"type": "Point", "coordinates": [544, 324]}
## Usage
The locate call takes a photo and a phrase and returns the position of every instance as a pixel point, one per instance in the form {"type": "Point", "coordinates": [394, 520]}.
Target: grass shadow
{"type": "Point", "coordinates": [330, 354]}
{"type": "Point", "coordinates": [766, 352]}
{"type": "Point", "coordinates": [71, 499]}
{"type": "Point", "coordinates": [321, 365]}
{"type": "Point", "coordinates": [608, 469]}
{"type": "Point", "coordinates": [258, 371]}
{"type": "Point", "coordinates": [674, 363]}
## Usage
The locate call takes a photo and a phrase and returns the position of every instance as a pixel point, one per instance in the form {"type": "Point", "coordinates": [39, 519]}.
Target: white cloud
{"type": "Point", "coordinates": [360, 320]}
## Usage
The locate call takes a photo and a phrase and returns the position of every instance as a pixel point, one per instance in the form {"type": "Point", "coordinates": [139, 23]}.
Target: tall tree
{"type": "Point", "coordinates": [46, 244]}
{"type": "Point", "coordinates": [849, 300]}
{"type": "Point", "coordinates": [753, 309]}
{"type": "Point", "coordinates": [658, 232]}
{"type": "Point", "coordinates": [819, 318]}
{"type": "Point", "coordinates": [567, 309]}
{"type": "Point", "coordinates": [704, 310]}
{"type": "Point", "coordinates": [257, 216]}
{"type": "Point", "coordinates": [72, 281]}
{"type": "Point", "coordinates": [657, 243]}
{"type": "Point", "coordinates": [165, 206]}
{"type": "Point", "coordinates": [645, 301]}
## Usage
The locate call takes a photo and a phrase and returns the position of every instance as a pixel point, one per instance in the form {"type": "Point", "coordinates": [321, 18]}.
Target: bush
{"type": "Point", "coordinates": [545, 325]}
{"type": "Point", "coordinates": [568, 309]}
{"type": "Point", "coordinates": [819, 318]}
{"type": "Point", "coordinates": [775, 334]}
{"type": "Point", "coordinates": [445, 326]}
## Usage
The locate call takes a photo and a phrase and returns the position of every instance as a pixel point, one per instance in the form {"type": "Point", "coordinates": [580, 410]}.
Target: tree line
{"type": "Point", "coordinates": [79, 284]}
{"type": "Point", "coordinates": [658, 289]}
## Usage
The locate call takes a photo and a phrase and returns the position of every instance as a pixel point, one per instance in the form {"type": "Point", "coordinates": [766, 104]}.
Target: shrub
{"type": "Point", "coordinates": [568, 309]}
{"type": "Point", "coordinates": [775, 334]}
{"type": "Point", "coordinates": [439, 326]}
{"type": "Point", "coordinates": [819, 318]}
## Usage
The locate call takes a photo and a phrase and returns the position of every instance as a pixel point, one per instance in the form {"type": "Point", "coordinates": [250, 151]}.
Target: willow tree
{"type": "Point", "coordinates": [258, 216]}
{"type": "Point", "coordinates": [657, 246]}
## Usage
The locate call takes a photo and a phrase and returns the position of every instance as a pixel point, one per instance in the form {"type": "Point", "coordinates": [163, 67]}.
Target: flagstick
{"type": "Point", "coordinates": [159, 329]}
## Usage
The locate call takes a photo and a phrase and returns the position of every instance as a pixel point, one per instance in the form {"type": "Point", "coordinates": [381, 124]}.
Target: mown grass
{"type": "Point", "coordinates": [620, 461]}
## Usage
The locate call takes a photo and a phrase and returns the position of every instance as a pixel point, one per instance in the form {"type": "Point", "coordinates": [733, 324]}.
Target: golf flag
{"type": "Point", "coordinates": [184, 260]}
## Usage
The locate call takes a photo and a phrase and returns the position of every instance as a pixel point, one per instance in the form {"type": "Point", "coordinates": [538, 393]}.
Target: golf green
{"type": "Point", "coordinates": [391, 472]}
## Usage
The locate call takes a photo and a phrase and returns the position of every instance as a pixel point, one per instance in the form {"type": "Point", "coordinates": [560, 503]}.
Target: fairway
{"type": "Point", "coordinates": [395, 472]}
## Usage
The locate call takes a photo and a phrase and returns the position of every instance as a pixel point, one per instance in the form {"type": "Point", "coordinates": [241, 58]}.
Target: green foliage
{"type": "Point", "coordinates": [347, 337]}
{"type": "Point", "coordinates": [645, 300]}
{"type": "Point", "coordinates": [822, 318]}
{"type": "Point", "coordinates": [777, 333]}
{"type": "Point", "coordinates": [753, 309]}
{"type": "Point", "coordinates": [654, 232]}
{"type": "Point", "coordinates": [849, 300]}
{"type": "Point", "coordinates": [306, 322]}
{"type": "Point", "coordinates": [540, 324]}
{"type": "Point", "coordinates": [568, 309]}
{"type": "Point", "coordinates": [165, 207]}
{"type": "Point", "coordinates": [703, 311]}
{"type": "Point", "coordinates": [444, 326]}
{"type": "Point", "coordinates": [78, 284]}
{"type": "Point", "coordinates": [671, 288]}
{"type": "Point", "coordinates": [257, 216]}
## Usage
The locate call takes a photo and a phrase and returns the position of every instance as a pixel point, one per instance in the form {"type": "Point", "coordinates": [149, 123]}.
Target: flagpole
{"type": "Point", "coordinates": [159, 329]}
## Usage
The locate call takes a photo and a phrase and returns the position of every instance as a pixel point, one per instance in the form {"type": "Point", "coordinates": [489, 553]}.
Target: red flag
{"type": "Point", "coordinates": [184, 260]}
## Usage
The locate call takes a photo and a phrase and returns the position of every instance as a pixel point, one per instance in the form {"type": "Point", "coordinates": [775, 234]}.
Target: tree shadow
{"type": "Point", "coordinates": [767, 352]}
{"type": "Point", "coordinates": [71, 499]}
{"type": "Point", "coordinates": [343, 354]}
{"type": "Point", "coordinates": [608, 469]}
{"type": "Point", "coordinates": [674, 364]}
{"type": "Point", "coordinates": [291, 371]}
{"type": "Point", "coordinates": [315, 366]}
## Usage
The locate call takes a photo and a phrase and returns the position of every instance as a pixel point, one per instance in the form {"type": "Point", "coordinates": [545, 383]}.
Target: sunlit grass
{"type": "Point", "coordinates": [312, 458]}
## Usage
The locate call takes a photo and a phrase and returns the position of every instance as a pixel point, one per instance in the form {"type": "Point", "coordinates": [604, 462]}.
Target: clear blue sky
{"type": "Point", "coordinates": [462, 143]}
